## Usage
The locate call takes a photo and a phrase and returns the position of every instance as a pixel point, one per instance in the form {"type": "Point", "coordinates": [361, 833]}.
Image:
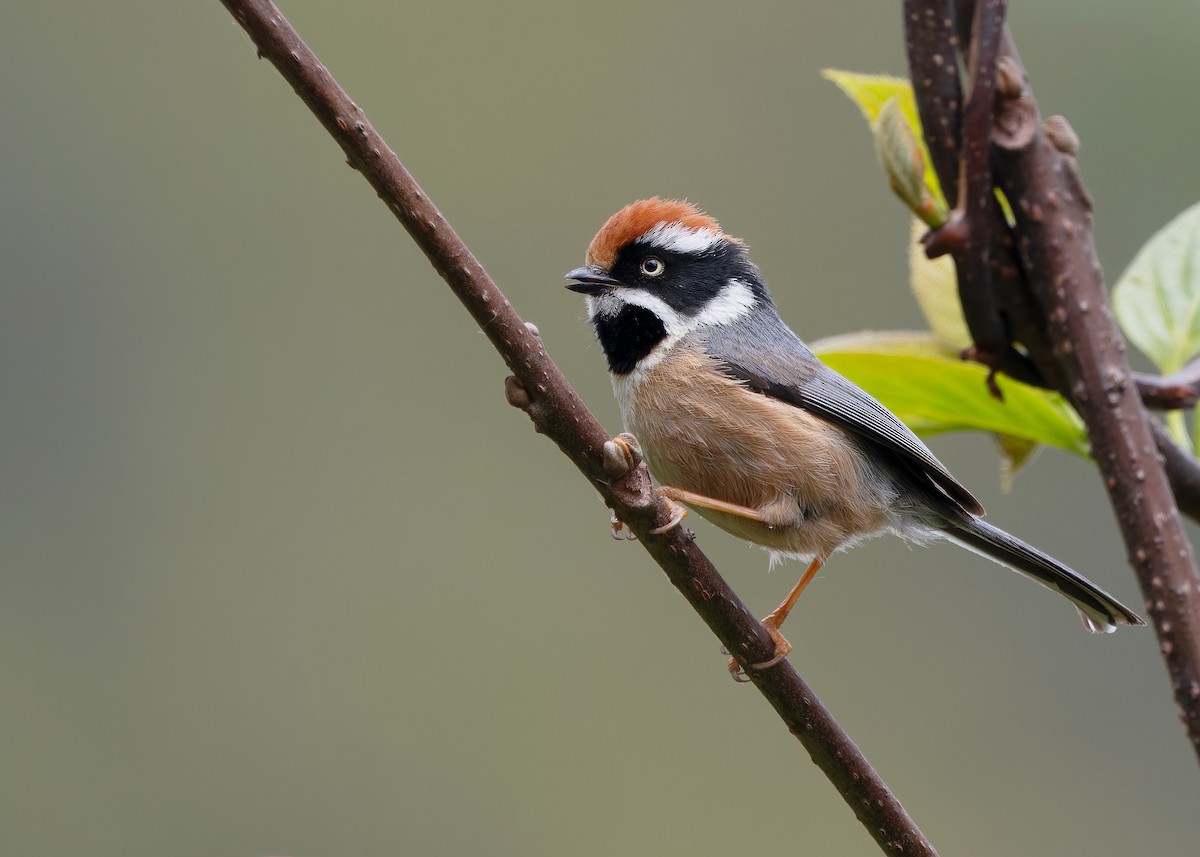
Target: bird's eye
{"type": "Point", "coordinates": [652, 266]}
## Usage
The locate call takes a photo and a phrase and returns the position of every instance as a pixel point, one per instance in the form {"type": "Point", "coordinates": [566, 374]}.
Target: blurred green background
{"type": "Point", "coordinates": [280, 572]}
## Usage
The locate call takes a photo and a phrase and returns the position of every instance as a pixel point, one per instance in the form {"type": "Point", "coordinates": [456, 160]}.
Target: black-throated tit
{"type": "Point", "coordinates": [738, 419]}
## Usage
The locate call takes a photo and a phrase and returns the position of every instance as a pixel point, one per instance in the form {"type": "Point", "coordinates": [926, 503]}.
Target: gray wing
{"type": "Point", "coordinates": [770, 359]}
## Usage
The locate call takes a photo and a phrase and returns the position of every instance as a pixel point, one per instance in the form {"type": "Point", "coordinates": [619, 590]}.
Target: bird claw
{"type": "Point", "coordinates": [735, 669]}
{"type": "Point", "coordinates": [623, 454]}
{"type": "Point", "coordinates": [678, 513]}
{"type": "Point", "coordinates": [782, 648]}
{"type": "Point", "coordinates": [619, 531]}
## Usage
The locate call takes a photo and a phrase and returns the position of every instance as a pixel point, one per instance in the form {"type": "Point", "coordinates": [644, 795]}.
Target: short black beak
{"type": "Point", "coordinates": [590, 280]}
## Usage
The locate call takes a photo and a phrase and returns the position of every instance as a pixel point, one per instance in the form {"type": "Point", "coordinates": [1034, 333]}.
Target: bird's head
{"type": "Point", "coordinates": [658, 270]}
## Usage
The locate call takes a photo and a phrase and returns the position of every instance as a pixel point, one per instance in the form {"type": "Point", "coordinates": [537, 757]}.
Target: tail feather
{"type": "Point", "coordinates": [1101, 612]}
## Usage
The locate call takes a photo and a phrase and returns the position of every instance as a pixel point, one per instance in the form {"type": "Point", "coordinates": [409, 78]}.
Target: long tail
{"type": "Point", "coordinates": [1100, 611]}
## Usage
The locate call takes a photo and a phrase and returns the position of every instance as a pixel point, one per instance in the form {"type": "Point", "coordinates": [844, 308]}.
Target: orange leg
{"type": "Point", "coordinates": [678, 495]}
{"type": "Point", "coordinates": [776, 618]}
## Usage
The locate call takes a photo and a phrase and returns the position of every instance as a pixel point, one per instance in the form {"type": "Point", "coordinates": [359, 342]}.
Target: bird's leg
{"type": "Point", "coordinates": [776, 618]}
{"type": "Point", "coordinates": [622, 454]}
{"type": "Point", "coordinates": [678, 495]}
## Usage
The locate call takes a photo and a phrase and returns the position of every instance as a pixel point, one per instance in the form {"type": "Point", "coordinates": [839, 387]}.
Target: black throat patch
{"type": "Point", "coordinates": [628, 336]}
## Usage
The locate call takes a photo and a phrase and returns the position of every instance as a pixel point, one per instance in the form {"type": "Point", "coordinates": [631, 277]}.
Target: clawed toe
{"type": "Point", "coordinates": [782, 648]}
{"type": "Point", "coordinates": [678, 513]}
{"type": "Point", "coordinates": [618, 530]}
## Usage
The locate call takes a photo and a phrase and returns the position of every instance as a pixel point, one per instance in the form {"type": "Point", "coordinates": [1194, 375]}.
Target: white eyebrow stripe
{"type": "Point", "coordinates": [733, 301]}
{"type": "Point", "coordinates": [677, 238]}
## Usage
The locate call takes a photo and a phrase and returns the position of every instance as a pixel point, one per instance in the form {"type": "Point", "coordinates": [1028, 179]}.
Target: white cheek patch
{"type": "Point", "coordinates": [733, 301]}
{"type": "Point", "coordinates": [611, 304]}
{"type": "Point", "coordinates": [677, 238]}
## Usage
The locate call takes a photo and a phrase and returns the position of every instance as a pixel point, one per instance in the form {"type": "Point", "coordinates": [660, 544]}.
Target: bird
{"type": "Point", "coordinates": [739, 420]}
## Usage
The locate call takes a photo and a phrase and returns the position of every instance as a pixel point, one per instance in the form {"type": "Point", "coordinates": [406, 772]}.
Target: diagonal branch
{"type": "Point", "coordinates": [540, 389]}
{"type": "Point", "coordinates": [1071, 337]}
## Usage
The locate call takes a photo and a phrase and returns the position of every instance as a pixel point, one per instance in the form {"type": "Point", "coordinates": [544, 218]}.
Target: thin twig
{"type": "Point", "coordinates": [976, 201]}
{"type": "Point", "coordinates": [932, 45]}
{"type": "Point", "coordinates": [1183, 470]}
{"type": "Point", "coordinates": [975, 232]}
{"type": "Point", "coordinates": [1176, 392]}
{"type": "Point", "coordinates": [539, 388]}
{"type": "Point", "coordinates": [1038, 173]}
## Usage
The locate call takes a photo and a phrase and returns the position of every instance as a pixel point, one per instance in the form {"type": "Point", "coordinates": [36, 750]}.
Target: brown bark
{"type": "Point", "coordinates": [1052, 290]}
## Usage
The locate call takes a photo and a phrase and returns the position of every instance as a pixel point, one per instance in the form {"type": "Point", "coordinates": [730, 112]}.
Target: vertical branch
{"type": "Point", "coordinates": [931, 41]}
{"type": "Point", "coordinates": [1058, 307]}
{"type": "Point", "coordinates": [976, 234]}
{"type": "Point", "coordinates": [977, 210]}
{"type": "Point", "coordinates": [1054, 219]}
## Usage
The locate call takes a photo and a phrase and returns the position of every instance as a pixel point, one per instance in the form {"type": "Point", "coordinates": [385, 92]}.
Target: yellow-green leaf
{"type": "Point", "coordinates": [933, 391]}
{"type": "Point", "coordinates": [1015, 453]}
{"type": "Point", "coordinates": [871, 92]}
{"type": "Point", "coordinates": [934, 283]}
{"type": "Point", "coordinates": [1157, 299]}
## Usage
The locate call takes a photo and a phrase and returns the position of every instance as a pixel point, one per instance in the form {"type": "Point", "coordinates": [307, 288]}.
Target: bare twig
{"type": "Point", "coordinates": [1182, 469]}
{"type": "Point", "coordinates": [975, 233]}
{"type": "Point", "coordinates": [932, 44]}
{"type": "Point", "coordinates": [539, 388]}
{"type": "Point", "coordinates": [976, 200]}
{"type": "Point", "coordinates": [1183, 472]}
{"type": "Point", "coordinates": [1179, 391]}
{"type": "Point", "coordinates": [1176, 392]}
{"type": "Point", "coordinates": [1070, 335]}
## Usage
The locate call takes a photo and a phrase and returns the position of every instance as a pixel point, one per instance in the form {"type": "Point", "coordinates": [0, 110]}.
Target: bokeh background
{"type": "Point", "coordinates": [280, 572]}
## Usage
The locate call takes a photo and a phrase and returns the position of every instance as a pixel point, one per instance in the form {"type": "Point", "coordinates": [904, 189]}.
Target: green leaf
{"type": "Point", "coordinates": [934, 283]}
{"type": "Point", "coordinates": [871, 92]}
{"type": "Point", "coordinates": [1015, 453]}
{"type": "Point", "coordinates": [1157, 299]}
{"type": "Point", "coordinates": [928, 387]}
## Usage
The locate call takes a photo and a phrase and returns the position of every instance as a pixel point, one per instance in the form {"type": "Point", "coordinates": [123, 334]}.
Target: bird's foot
{"type": "Point", "coordinates": [621, 454]}
{"type": "Point", "coordinates": [782, 648]}
{"type": "Point", "coordinates": [618, 530]}
{"type": "Point", "coordinates": [678, 513]}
